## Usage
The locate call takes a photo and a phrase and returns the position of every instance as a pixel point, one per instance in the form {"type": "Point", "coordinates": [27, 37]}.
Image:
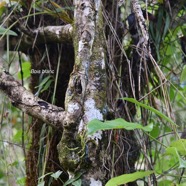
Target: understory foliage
{"type": "Point", "coordinates": [144, 125]}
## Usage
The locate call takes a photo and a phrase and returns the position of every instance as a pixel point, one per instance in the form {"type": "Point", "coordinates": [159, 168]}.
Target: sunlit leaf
{"type": "Point", "coordinates": [26, 70]}
{"type": "Point", "coordinates": [126, 178]}
{"type": "Point", "coordinates": [180, 145]}
{"type": "Point", "coordinates": [119, 123]}
{"type": "Point", "coordinates": [166, 162]}
{"type": "Point", "coordinates": [21, 181]}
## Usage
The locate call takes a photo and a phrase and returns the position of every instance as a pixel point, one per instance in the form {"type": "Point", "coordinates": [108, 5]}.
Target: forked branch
{"type": "Point", "coordinates": [30, 104]}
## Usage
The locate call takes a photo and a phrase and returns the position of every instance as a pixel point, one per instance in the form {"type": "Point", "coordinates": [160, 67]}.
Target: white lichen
{"type": "Point", "coordinates": [80, 47]}
{"type": "Point", "coordinates": [27, 98]}
{"type": "Point", "coordinates": [94, 182]}
{"type": "Point", "coordinates": [97, 5]}
{"type": "Point", "coordinates": [103, 61]}
{"type": "Point", "coordinates": [72, 107]}
{"type": "Point", "coordinates": [96, 136]}
{"type": "Point", "coordinates": [91, 112]}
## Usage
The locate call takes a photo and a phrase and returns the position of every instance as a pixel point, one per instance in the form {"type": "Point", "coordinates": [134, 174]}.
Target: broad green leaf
{"type": "Point", "coordinates": [126, 178]}
{"type": "Point", "coordinates": [155, 131]}
{"type": "Point", "coordinates": [17, 136]}
{"type": "Point", "coordinates": [180, 145]}
{"type": "Point", "coordinates": [119, 123]}
{"type": "Point", "coordinates": [7, 32]}
{"type": "Point", "coordinates": [183, 75]}
{"type": "Point", "coordinates": [163, 116]}
{"type": "Point", "coordinates": [56, 174]}
{"type": "Point", "coordinates": [165, 183]}
{"type": "Point", "coordinates": [173, 151]}
{"type": "Point", "coordinates": [166, 162]}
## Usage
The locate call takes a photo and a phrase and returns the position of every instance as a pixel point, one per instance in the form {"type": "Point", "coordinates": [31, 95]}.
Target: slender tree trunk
{"type": "Point", "coordinates": [86, 96]}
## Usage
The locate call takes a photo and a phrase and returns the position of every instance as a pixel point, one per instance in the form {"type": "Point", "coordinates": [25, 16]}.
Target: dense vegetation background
{"type": "Point", "coordinates": [145, 75]}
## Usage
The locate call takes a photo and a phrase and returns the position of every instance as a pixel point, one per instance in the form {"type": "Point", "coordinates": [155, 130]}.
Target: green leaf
{"type": "Point", "coordinates": [26, 70]}
{"type": "Point", "coordinates": [17, 136]}
{"type": "Point", "coordinates": [77, 183]}
{"type": "Point", "coordinates": [173, 151]}
{"type": "Point", "coordinates": [132, 100]}
{"type": "Point", "coordinates": [180, 145]}
{"type": "Point", "coordinates": [166, 162]}
{"type": "Point", "coordinates": [171, 158]}
{"type": "Point", "coordinates": [21, 181]}
{"type": "Point", "coordinates": [7, 32]}
{"type": "Point", "coordinates": [47, 85]}
{"type": "Point", "coordinates": [182, 163]}
{"type": "Point", "coordinates": [119, 123]}
{"type": "Point", "coordinates": [183, 75]}
{"type": "Point", "coordinates": [155, 132]}
{"type": "Point", "coordinates": [164, 182]}
{"type": "Point", "coordinates": [56, 174]}
{"type": "Point", "coordinates": [126, 178]}
{"type": "Point", "coordinates": [44, 81]}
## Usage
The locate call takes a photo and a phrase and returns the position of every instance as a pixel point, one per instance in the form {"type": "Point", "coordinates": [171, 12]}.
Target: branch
{"type": "Point", "coordinates": [30, 104]}
{"type": "Point", "coordinates": [55, 34]}
{"type": "Point", "coordinates": [144, 39]}
{"type": "Point", "coordinates": [48, 34]}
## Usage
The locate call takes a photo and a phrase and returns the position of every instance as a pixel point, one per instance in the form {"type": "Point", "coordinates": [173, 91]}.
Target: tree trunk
{"type": "Point", "coordinates": [85, 97]}
{"type": "Point", "coordinates": [93, 74]}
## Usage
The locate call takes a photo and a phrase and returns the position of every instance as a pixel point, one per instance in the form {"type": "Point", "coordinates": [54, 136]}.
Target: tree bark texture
{"type": "Point", "coordinates": [94, 72]}
{"type": "Point", "coordinates": [86, 96]}
{"type": "Point", "coordinates": [84, 99]}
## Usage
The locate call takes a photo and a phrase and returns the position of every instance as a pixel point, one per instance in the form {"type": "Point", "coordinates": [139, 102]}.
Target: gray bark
{"type": "Point", "coordinates": [30, 104]}
{"type": "Point", "coordinates": [86, 95]}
